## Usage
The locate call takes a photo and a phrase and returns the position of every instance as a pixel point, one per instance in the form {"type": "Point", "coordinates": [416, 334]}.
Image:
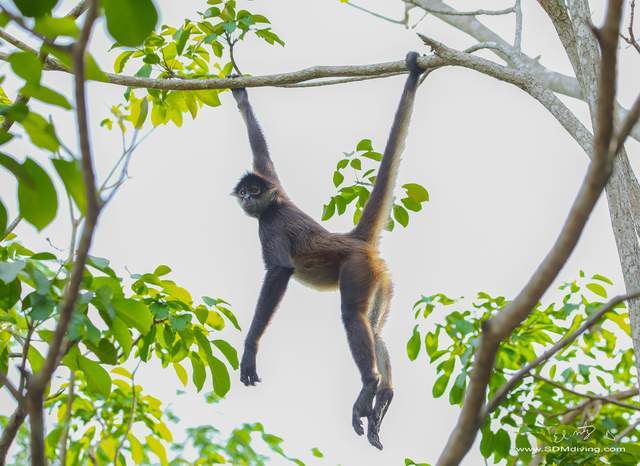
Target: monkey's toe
{"type": "Point", "coordinates": [372, 435]}
{"type": "Point", "coordinates": [357, 425]}
{"type": "Point", "coordinates": [248, 378]}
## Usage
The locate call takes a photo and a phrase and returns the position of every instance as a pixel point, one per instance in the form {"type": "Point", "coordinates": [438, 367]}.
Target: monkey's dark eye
{"type": "Point", "coordinates": [242, 192]}
{"type": "Point", "coordinates": [254, 190]}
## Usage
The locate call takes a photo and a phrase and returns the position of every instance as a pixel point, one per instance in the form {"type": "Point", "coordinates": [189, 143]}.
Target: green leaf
{"type": "Point", "coordinates": [401, 215]}
{"type": "Point", "coordinates": [416, 192]}
{"type": "Point", "coordinates": [486, 444]}
{"type": "Point", "coordinates": [35, 359]}
{"type": "Point", "coordinates": [71, 175]}
{"type": "Point", "coordinates": [130, 21]}
{"type": "Point", "coordinates": [3, 219]}
{"type": "Point", "coordinates": [137, 451]}
{"type": "Point", "coordinates": [328, 210]}
{"type": "Point", "coordinates": [10, 270]}
{"type": "Point", "coordinates": [414, 343]}
{"type": "Point", "coordinates": [27, 66]}
{"type": "Point", "coordinates": [338, 178]}
{"type": "Point", "coordinates": [16, 168]}
{"type": "Point", "coordinates": [41, 132]}
{"type": "Point", "coordinates": [317, 453]}
{"type": "Point", "coordinates": [373, 156]}
{"type": "Point", "coordinates": [440, 385]}
{"type": "Point", "coordinates": [597, 289]}
{"type": "Point", "coordinates": [133, 313]}
{"type": "Point", "coordinates": [229, 352]}
{"type": "Point", "coordinates": [162, 270]}
{"type": "Point", "coordinates": [602, 278]}
{"type": "Point", "coordinates": [209, 97]}
{"type": "Point", "coordinates": [122, 335]}
{"type": "Point", "coordinates": [364, 144]}
{"type": "Point", "coordinates": [229, 315]}
{"type": "Point", "coordinates": [356, 164]}
{"type": "Point", "coordinates": [92, 70]}
{"type": "Point", "coordinates": [221, 381]}
{"type": "Point", "coordinates": [122, 60]}
{"type": "Point", "coordinates": [39, 202]}
{"type": "Point", "coordinates": [53, 27]}
{"type": "Point", "coordinates": [502, 443]}
{"type": "Point", "coordinates": [9, 294]}
{"type": "Point", "coordinates": [98, 379]}
{"type": "Point", "coordinates": [45, 94]}
{"type": "Point", "coordinates": [181, 373]}
{"type": "Point", "coordinates": [34, 8]}
{"type": "Point", "coordinates": [156, 446]}
{"type": "Point", "coordinates": [198, 372]}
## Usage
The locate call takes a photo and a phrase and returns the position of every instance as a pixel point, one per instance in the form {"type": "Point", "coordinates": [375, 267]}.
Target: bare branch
{"type": "Point", "coordinates": [628, 430]}
{"type": "Point", "coordinates": [64, 438]}
{"type": "Point", "coordinates": [480, 12]}
{"type": "Point", "coordinates": [517, 40]}
{"type": "Point", "coordinates": [378, 15]}
{"type": "Point", "coordinates": [503, 324]}
{"type": "Point", "coordinates": [522, 373]}
{"type": "Point", "coordinates": [12, 226]}
{"type": "Point", "coordinates": [10, 431]}
{"type": "Point", "coordinates": [4, 380]}
{"type": "Point", "coordinates": [611, 399]}
{"type": "Point", "coordinates": [37, 384]}
{"type": "Point", "coordinates": [132, 415]}
{"type": "Point", "coordinates": [631, 38]}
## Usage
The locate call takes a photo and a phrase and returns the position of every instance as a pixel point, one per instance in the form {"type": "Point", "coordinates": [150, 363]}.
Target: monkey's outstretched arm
{"type": "Point", "coordinates": [273, 289]}
{"type": "Point", "coordinates": [262, 162]}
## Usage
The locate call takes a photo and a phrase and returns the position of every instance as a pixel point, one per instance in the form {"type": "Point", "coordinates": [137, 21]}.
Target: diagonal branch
{"type": "Point", "coordinates": [522, 373]}
{"type": "Point", "coordinates": [37, 385]}
{"type": "Point", "coordinates": [503, 324]}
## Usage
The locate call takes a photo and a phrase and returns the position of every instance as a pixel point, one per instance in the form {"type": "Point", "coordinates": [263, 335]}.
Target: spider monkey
{"type": "Point", "coordinates": [293, 244]}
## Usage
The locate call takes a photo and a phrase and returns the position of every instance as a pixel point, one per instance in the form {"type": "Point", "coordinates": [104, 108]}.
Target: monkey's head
{"type": "Point", "coordinates": [255, 194]}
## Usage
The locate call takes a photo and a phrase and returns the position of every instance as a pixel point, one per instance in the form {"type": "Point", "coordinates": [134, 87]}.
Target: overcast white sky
{"type": "Point", "coordinates": [500, 170]}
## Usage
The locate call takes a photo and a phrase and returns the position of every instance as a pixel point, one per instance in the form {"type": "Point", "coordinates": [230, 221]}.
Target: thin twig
{"type": "Point", "coordinates": [517, 40]}
{"type": "Point", "coordinates": [627, 431]}
{"type": "Point", "coordinates": [631, 38]}
{"type": "Point", "coordinates": [480, 12]}
{"type": "Point", "coordinates": [12, 226]}
{"type": "Point", "coordinates": [377, 15]}
{"type": "Point", "coordinates": [522, 373]}
{"type": "Point", "coordinates": [64, 438]}
{"type": "Point", "coordinates": [603, 398]}
{"type": "Point", "coordinates": [132, 415]}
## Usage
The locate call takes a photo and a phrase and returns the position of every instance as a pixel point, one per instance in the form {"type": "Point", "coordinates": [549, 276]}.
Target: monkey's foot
{"type": "Point", "coordinates": [248, 374]}
{"type": "Point", "coordinates": [363, 405]}
{"type": "Point", "coordinates": [383, 400]}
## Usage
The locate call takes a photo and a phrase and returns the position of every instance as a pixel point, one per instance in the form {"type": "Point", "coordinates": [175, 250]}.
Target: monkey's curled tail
{"type": "Point", "coordinates": [376, 212]}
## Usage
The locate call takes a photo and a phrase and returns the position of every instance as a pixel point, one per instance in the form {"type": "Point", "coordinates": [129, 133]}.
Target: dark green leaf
{"type": "Point", "coordinates": [364, 144]}
{"type": "Point", "coordinates": [16, 168]}
{"type": "Point", "coordinates": [39, 202]}
{"type": "Point", "coordinates": [27, 66]}
{"type": "Point", "coordinates": [199, 374]}
{"type": "Point", "coordinates": [3, 219]}
{"type": "Point", "coordinates": [440, 385]}
{"type": "Point", "coordinates": [41, 132]}
{"type": "Point", "coordinates": [33, 8]}
{"type": "Point", "coordinates": [98, 379]}
{"type": "Point", "coordinates": [130, 21]}
{"type": "Point", "coordinates": [229, 352]}
{"type": "Point", "coordinates": [71, 174]}
{"type": "Point", "coordinates": [502, 443]}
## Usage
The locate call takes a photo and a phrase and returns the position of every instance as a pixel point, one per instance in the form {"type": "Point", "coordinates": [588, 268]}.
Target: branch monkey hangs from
{"type": "Point", "coordinates": [293, 244]}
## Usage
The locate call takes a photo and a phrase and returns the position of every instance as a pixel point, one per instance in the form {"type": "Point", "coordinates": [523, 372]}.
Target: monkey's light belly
{"type": "Point", "coordinates": [323, 277]}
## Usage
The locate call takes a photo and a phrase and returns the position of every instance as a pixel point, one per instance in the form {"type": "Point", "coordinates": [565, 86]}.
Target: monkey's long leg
{"type": "Point", "coordinates": [384, 394]}
{"type": "Point", "coordinates": [357, 284]}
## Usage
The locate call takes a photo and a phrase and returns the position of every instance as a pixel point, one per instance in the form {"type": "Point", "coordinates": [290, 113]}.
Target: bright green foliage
{"type": "Point", "coordinates": [359, 191]}
{"type": "Point", "coordinates": [238, 448]}
{"type": "Point", "coordinates": [546, 408]}
{"type": "Point", "coordinates": [35, 8]}
{"type": "Point", "coordinates": [194, 50]}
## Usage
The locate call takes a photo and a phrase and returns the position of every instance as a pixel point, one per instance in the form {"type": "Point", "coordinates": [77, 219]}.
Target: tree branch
{"type": "Point", "coordinates": [611, 399]}
{"type": "Point", "coordinates": [522, 373]}
{"type": "Point", "coordinates": [502, 325]}
{"type": "Point", "coordinates": [38, 382]}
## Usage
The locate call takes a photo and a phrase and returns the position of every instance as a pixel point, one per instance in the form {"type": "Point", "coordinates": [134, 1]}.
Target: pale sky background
{"type": "Point", "coordinates": [500, 170]}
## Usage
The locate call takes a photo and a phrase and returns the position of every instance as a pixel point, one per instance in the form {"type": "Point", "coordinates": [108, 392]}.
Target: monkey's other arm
{"type": "Point", "coordinates": [262, 162]}
{"type": "Point", "coordinates": [273, 289]}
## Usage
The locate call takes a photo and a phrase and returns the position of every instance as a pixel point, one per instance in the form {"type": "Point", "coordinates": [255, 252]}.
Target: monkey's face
{"type": "Point", "coordinates": [254, 194]}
